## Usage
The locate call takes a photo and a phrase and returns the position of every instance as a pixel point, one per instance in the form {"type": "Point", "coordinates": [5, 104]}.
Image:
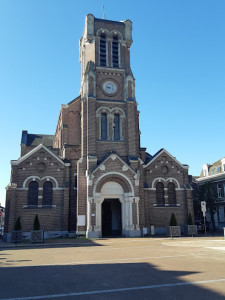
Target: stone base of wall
{"type": "Point", "coordinates": [132, 233]}
{"type": "Point", "coordinates": [80, 233]}
{"type": "Point", "coordinates": [93, 234]}
{"type": "Point", "coordinates": [72, 234]}
{"type": "Point", "coordinates": [47, 235]}
{"type": "Point", "coordinates": [160, 231]}
{"type": "Point", "coordinates": [125, 233]}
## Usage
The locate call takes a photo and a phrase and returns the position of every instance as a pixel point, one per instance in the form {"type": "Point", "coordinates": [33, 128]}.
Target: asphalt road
{"type": "Point", "coordinates": [122, 268]}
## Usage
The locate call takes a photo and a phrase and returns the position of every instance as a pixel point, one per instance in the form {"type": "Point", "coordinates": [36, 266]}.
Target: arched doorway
{"type": "Point", "coordinates": [111, 217]}
{"type": "Point", "coordinates": [111, 208]}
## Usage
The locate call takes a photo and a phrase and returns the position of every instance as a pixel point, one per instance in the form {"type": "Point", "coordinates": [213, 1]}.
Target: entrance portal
{"type": "Point", "coordinates": [111, 217]}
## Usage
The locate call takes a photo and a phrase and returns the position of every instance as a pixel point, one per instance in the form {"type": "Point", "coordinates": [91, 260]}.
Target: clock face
{"type": "Point", "coordinates": [110, 87]}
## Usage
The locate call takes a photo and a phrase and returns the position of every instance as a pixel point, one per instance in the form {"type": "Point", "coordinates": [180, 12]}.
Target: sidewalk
{"type": "Point", "coordinates": [82, 241]}
{"type": "Point", "coordinates": [48, 243]}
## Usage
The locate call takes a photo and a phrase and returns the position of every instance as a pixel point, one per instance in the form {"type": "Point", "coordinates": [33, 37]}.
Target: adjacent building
{"type": "Point", "coordinates": [2, 219]}
{"type": "Point", "coordinates": [93, 177]}
{"type": "Point", "coordinates": [212, 190]}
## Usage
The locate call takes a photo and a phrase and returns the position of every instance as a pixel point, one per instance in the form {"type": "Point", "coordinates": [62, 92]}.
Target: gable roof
{"type": "Point", "coordinates": [154, 157]}
{"type": "Point", "coordinates": [21, 159]}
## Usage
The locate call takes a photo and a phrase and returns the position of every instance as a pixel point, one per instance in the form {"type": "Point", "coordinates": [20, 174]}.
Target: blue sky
{"type": "Point", "coordinates": [177, 57]}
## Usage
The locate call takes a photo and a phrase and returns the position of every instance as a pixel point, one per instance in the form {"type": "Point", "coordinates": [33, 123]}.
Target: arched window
{"type": "Point", "coordinates": [116, 127]}
{"type": "Point", "coordinates": [104, 126]}
{"type": "Point", "coordinates": [47, 193]}
{"type": "Point", "coordinates": [33, 193]}
{"type": "Point", "coordinates": [171, 193]}
{"type": "Point", "coordinates": [115, 52]}
{"type": "Point", "coordinates": [160, 193]}
{"type": "Point", "coordinates": [103, 50]}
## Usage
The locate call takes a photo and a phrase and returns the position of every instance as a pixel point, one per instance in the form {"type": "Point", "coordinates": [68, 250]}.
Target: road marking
{"type": "Point", "coordinates": [216, 248]}
{"type": "Point", "coordinates": [119, 290]}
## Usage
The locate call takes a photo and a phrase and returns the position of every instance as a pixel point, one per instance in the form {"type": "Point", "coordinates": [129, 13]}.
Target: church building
{"type": "Point", "coordinates": [92, 177]}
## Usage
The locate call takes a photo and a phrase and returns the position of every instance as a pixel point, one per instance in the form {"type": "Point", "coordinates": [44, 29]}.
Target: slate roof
{"type": "Point", "coordinates": [109, 21]}
{"type": "Point", "coordinates": [33, 140]}
{"type": "Point", "coordinates": [150, 157]}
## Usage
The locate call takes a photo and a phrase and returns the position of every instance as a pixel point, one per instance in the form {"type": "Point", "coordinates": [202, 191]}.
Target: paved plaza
{"type": "Point", "coordinates": [145, 268]}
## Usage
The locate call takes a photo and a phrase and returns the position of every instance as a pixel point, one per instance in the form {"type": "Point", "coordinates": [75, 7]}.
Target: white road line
{"type": "Point", "coordinates": [119, 290]}
{"type": "Point", "coordinates": [216, 248]}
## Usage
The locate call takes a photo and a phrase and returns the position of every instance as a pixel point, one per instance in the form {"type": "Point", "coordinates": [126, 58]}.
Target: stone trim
{"type": "Point", "coordinates": [166, 205]}
{"type": "Point", "coordinates": [123, 180]}
{"type": "Point", "coordinates": [40, 189]}
{"type": "Point", "coordinates": [21, 159]}
{"type": "Point", "coordinates": [34, 178]}
{"type": "Point", "coordinates": [170, 179]}
{"type": "Point", "coordinates": [154, 189]}
{"type": "Point", "coordinates": [173, 158]}
{"type": "Point", "coordinates": [114, 156]}
{"type": "Point", "coordinates": [38, 206]}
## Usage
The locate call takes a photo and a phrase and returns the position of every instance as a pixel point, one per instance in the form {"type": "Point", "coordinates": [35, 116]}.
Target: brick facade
{"type": "Point", "coordinates": [86, 169]}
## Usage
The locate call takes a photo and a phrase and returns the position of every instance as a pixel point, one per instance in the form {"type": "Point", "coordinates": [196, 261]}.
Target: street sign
{"type": "Point", "coordinates": [203, 209]}
{"type": "Point", "coordinates": [203, 206]}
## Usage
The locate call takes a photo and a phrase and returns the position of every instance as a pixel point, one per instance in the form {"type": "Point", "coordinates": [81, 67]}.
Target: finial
{"type": "Point", "coordinates": [103, 13]}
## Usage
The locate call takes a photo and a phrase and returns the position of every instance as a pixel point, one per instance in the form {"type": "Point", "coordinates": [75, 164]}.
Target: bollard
{"type": "Point", "coordinates": [152, 230]}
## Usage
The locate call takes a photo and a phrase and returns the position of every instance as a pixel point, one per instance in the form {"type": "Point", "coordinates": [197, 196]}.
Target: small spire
{"type": "Point", "coordinates": [103, 12]}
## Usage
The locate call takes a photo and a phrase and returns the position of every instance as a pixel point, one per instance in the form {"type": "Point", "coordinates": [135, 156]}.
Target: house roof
{"type": "Point", "coordinates": [214, 169]}
{"type": "Point", "coordinates": [33, 140]}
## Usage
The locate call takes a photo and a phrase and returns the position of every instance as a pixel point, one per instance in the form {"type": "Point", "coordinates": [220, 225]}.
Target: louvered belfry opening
{"type": "Point", "coordinates": [103, 50]}
{"type": "Point", "coordinates": [115, 52]}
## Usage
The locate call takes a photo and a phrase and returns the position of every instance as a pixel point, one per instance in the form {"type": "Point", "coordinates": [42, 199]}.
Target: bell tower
{"type": "Point", "coordinates": [109, 115]}
{"type": "Point", "coordinates": [108, 89]}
